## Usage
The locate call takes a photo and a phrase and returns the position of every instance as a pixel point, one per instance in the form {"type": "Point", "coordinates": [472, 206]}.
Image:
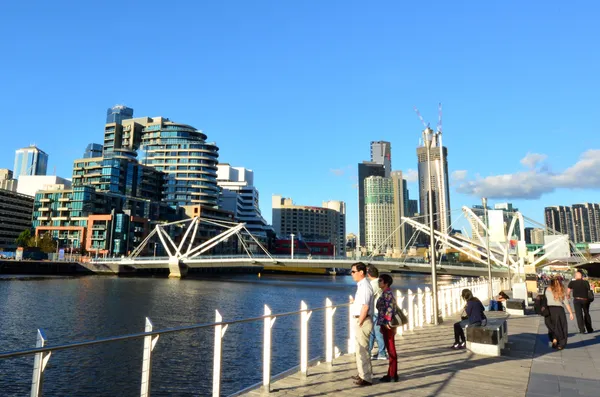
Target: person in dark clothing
{"type": "Point", "coordinates": [474, 318]}
{"type": "Point", "coordinates": [581, 303]}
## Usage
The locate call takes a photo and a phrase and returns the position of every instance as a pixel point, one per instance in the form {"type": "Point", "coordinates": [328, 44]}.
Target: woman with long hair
{"type": "Point", "coordinates": [556, 322]}
{"type": "Point", "coordinates": [473, 317]}
{"type": "Point", "coordinates": [386, 306]}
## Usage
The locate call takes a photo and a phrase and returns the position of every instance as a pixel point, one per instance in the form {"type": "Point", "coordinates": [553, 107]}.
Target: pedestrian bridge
{"type": "Point", "coordinates": [179, 267]}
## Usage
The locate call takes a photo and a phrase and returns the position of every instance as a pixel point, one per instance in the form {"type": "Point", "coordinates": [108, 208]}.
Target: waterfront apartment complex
{"type": "Point", "coordinates": [30, 161]}
{"type": "Point", "coordinates": [311, 223]}
{"type": "Point", "coordinates": [15, 216]}
{"type": "Point", "coordinates": [581, 222]}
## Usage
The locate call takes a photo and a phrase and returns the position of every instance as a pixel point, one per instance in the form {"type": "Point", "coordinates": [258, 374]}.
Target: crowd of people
{"type": "Point", "coordinates": [374, 308]}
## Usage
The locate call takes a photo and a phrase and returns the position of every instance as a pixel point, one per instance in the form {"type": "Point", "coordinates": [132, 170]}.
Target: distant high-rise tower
{"type": "Point", "coordinates": [30, 161]}
{"type": "Point", "coordinates": [437, 182]}
{"type": "Point", "coordinates": [365, 170]}
{"type": "Point", "coordinates": [118, 113]}
{"type": "Point", "coordinates": [381, 153]}
{"type": "Point", "coordinates": [560, 218]}
{"type": "Point", "coordinates": [93, 150]}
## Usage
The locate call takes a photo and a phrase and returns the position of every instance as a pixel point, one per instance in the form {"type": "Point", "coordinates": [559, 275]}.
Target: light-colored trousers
{"type": "Point", "coordinates": [363, 358]}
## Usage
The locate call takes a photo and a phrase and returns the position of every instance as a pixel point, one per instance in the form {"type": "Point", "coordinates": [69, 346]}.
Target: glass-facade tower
{"type": "Point", "coordinates": [30, 161]}
{"type": "Point", "coordinates": [118, 113]}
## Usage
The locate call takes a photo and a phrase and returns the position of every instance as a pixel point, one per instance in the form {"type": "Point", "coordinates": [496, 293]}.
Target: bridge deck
{"type": "Point", "coordinates": [427, 367]}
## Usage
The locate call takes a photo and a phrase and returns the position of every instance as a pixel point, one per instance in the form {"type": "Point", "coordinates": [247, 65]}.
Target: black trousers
{"type": "Point", "coordinates": [459, 333]}
{"type": "Point", "coordinates": [557, 325]}
{"type": "Point", "coordinates": [582, 312]}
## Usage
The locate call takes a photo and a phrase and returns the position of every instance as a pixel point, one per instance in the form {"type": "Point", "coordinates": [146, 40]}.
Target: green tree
{"type": "Point", "coordinates": [45, 242]}
{"type": "Point", "coordinates": [24, 238]}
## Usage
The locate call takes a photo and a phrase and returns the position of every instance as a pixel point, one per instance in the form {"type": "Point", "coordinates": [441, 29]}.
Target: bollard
{"type": "Point", "coordinates": [411, 310]}
{"type": "Point", "coordinates": [351, 330]}
{"type": "Point", "coordinates": [329, 311]}
{"type": "Point", "coordinates": [268, 324]}
{"type": "Point", "coordinates": [39, 366]}
{"type": "Point", "coordinates": [219, 333]}
{"type": "Point", "coordinates": [304, 317]}
{"type": "Point", "coordinates": [149, 344]}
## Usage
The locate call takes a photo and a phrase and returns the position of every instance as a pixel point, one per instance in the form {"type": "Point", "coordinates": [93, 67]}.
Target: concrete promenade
{"type": "Point", "coordinates": [427, 366]}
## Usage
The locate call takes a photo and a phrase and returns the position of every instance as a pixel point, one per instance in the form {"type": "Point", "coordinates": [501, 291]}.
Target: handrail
{"type": "Point", "coordinates": [419, 311]}
{"type": "Point", "coordinates": [25, 352]}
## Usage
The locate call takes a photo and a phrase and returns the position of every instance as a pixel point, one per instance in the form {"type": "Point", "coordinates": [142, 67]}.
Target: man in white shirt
{"type": "Point", "coordinates": [373, 277]}
{"type": "Point", "coordinates": [361, 310]}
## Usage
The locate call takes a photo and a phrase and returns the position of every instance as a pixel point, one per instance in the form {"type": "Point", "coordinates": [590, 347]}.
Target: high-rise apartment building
{"type": "Point", "coordinates": [309, 222]}
{"type": "Point", "coordinates": [118, 113]}
{"type": "Point", "coordinates": [537, 236]}
{"type": "Point", "coordinates": [560, 219]}
{"type": "Point", "coordinates": [15, 216]}
{"type": "Point", "coordinates": [240, 196]}
{"type": "Point", "coordinates": [586, 220]}
{"type": "Point", "coordinates": [30, 161]}
{"type": "Point", "coordinates": [437, 182]}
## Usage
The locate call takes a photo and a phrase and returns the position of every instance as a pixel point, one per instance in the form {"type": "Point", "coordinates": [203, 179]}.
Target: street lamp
{"type": "Point", "coordinates": [292, 237]}
{"type": "Point", "coordinates": [487, 242]}
{"type": "Point", "coordinates": [427, 141]}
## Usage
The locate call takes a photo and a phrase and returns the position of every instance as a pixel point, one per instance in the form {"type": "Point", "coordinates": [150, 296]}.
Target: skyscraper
{"type": "Point", "coordinates": [381, 153]}
{"type": "Point", "coordinates": [379, 214]}
{"type": "Point", "coordinates": [118, 113]}
{"type": "Point", "coordinates": [365, 170]}
{"type": "Point", "coordinates": [30, 161]}
{"type": "Point", "coordinates": [401, 209]}
{"type": "Point", "coordinates": [437, 182]}
{"type": "Point", "coordinates": [93, 150]}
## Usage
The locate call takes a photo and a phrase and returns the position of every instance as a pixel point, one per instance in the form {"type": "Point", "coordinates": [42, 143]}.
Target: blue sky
{"type": "Point", "coordinates": [296, 90]}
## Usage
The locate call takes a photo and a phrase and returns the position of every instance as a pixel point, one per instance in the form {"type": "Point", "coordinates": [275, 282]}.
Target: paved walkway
{"type": "Point", "coordinates": [428, 367]}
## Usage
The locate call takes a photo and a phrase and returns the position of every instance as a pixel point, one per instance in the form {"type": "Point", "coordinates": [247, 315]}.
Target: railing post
{"type": "Point", "coordinates": [149, 343]}
{"type": "Point", "coordinates": [420, 310]}
{"type": "Point", "coordinates": [329, 311]}
{"type": "Point", "coordinates": [351, 330]}
{"type": "Point", "coordinates": [219, 333]}
{"type": "Point", "coordinates": [400, 303]}
{"type": "Point", "coordinates": [268, 323]}
{"type": "Point", "coordinates": [428, 306]}
{"type": "Point", "coordinates": [411, 310]}
{"type": "Point", "coordinates": [442, 295]}
{"type": "Point", "coordinates": [304, 317]}
{"type": "Point", "coordinates": [39, 365]}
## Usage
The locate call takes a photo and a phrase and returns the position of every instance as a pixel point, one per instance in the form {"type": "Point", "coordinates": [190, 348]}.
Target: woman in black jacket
{"type": "Point", "coordinates": [474, 317]}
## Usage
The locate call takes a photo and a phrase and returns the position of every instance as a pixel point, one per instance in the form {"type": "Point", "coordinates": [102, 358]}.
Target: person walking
{"type": "Point", "coordinates": [556, 322]}
{"type": "Point", "coordinates": [387, 309]}
{"type": "Point", "coordinates": [474, 317]}
{"type": "Point", "coordinates": [581, 302]}
{"type": "Point", "coordinates": [361, 309]}
{"type": "Point", "coordinates": [373, 276]}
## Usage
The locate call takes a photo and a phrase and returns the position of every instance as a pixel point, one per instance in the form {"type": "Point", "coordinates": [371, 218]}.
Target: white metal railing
{"type": "Point", "coordinates": [418, 309]}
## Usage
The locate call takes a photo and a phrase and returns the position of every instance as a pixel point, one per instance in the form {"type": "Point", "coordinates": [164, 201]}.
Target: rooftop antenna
{"type": "Point", "coordinates": [439, 125]}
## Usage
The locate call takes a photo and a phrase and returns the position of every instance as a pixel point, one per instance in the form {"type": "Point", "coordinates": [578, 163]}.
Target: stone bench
{"type": "Point", "coordinates": [515, 307]}
{"type": "Point", "coordinates": [489, 339]}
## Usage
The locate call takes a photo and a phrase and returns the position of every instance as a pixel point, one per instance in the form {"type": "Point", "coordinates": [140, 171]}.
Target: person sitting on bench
{"type": "Point", "coordinates": [502, 297]}
{"type": "Point", "coordinates": [474, 318]}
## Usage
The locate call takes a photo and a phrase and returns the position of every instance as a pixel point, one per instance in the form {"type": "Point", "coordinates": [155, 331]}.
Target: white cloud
{"type": "Point", "coordinates": [533, 183]}
{"type": "Point", "coordinates": [531, 160]}
{"type": "Point", "coordinates": [411, 175]}
{"type": "Point", "coordinates": [459, 175]}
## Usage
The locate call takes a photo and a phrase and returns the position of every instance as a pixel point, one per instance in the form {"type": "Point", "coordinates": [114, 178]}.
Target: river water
{"type": "Point", "coordinates": [85, 308]}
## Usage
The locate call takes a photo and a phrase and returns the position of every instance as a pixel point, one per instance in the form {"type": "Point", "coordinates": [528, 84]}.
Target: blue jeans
{"type": "Point", "coordinates": [376, 334]}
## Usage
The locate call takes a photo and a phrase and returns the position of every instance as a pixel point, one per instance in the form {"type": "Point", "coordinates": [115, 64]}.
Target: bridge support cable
{"type": "Point", "coordinates": [191, 226]}
{"type": "Point", "coordinates": [451, 241]}
{"type": "Point", "coordinates": [386, 239]}
{"type": "Point", "coordinates": [483, 244]}
{"type": "Point", "coordinates": [160, 232]}
{"type": "Point", "coordinates": [142, 245]}
{"type": "Point", "coordinates": [213, 241]}
{"type": "Point", "coordinates": [259, 244]}
{"type": "Point", "coordinates": [193, 238]}
{"type": "Point", "coordinates": [243, 244]}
